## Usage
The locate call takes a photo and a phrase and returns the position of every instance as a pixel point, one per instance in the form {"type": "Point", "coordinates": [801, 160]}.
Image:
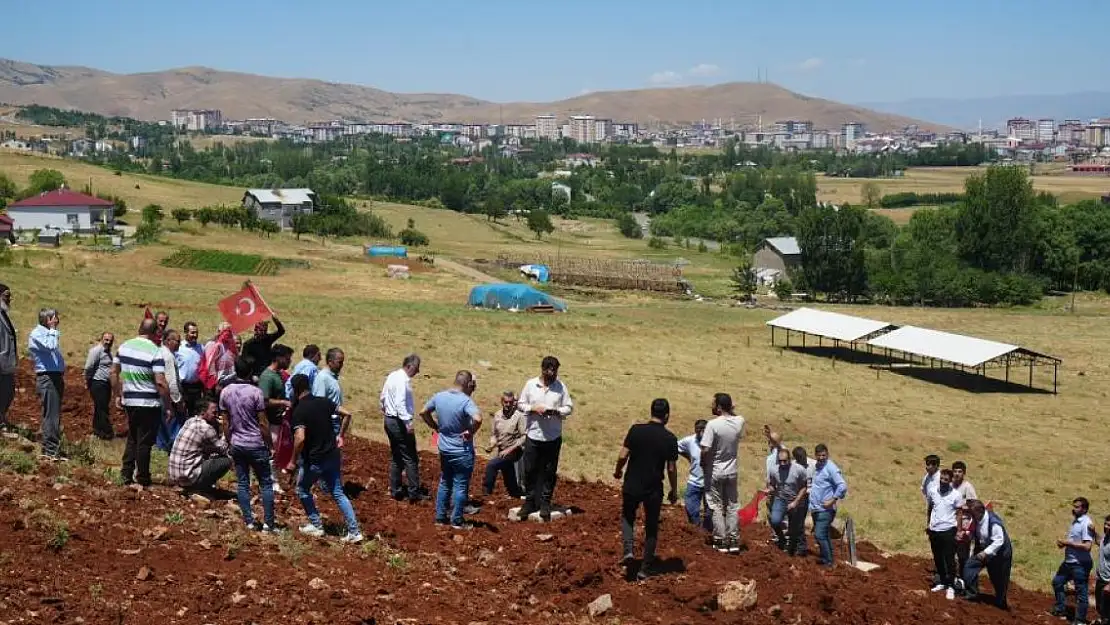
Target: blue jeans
{"type": "Point", "coordinates": [694, 500]}
{"type": "Point", "coordinates": [1080, 574]}
{"type": "Point", "coordinates": [327, 474]}
{"type": "Point", "coordinates": [455, 470]}
{"type": "Point", "coordinates": [822, 521]}
{"type": "Point", "coordinates": [795, 523]}
{"type": "Point", "coordinates": [257, 460]}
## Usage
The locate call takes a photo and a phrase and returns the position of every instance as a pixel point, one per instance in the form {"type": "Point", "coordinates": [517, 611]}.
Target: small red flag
{"type": "Point", "coordinates": [244, 309]}
{"type": "Point", "coordinates": [148, 314]}
{"type": "Point", "coordinates": [749, 513]}
{"type": "Point", "coordinates": [435, 440]}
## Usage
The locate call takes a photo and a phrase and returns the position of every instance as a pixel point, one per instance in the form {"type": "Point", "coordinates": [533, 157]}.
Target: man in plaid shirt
{"type": "Point", "coordinates": [200, 455]}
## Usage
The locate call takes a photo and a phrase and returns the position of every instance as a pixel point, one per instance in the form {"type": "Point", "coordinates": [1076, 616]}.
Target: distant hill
{"type": "Point", "coordinates": [994, 111]}
{"type": "Point", "coordinates": [153, 95]}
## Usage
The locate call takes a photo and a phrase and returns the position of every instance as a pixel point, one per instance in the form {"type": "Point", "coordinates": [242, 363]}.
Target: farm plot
{"type": "Point", "coordinates": [230, 262]}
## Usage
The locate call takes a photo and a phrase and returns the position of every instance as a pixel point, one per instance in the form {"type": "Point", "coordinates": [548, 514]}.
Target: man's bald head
{"type": "Point", "coordinates": [465, 381]}
{"type": "Point", "coordinates": [148, 327]}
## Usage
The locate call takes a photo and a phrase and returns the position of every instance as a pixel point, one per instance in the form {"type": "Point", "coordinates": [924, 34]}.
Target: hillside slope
{"type": "Point", "coordinates": [153, 95]}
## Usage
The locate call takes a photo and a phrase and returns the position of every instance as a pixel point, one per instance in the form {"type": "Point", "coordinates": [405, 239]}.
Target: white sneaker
{"type": "Point", "coordinates": [309, 529]}
{"type": "Point", "coordinates": [939, 587]}
{"type": "Point", "coordinates": [950, 594]}
{"type": "Point", "coordinates": [353, 539]}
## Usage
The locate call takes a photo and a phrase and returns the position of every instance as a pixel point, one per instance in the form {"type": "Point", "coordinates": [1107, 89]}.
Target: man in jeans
{"type": "Point", "coordinates": [456, 421]}
{"type": "Point", "coordinates": [139, 377]}
{"type": "Point", "coordinates": [648, 449]}
{"type": "Point", "coordinates": [546, 403]}
{"type": "Point", "coordinates": [507, 443]}
{"type": "Point", "coordinates": [1077, 564]}
{"type": "Point", "coordinates": [249, 435]}
{"type": "Point", "coordinates": [398, 409]}
{"type": "Point", "coordinates": [720, 450]}
{"type": "Point", "coordinates": [200, 454]}
{"type": "Point", "coordinates": [786, 488]}
{"type": "Point", "coordinates": [98, 379]}
{"type": "Point", "coordinates": [314, 446]}
{"type": "Point", "coordinates": [826, 490]}
{"type": "Point", "coordinates": [689, 447]}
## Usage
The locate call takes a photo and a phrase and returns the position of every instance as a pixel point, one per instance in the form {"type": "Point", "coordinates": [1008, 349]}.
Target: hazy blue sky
{"type": "Point", "coordinates": [849, 50]}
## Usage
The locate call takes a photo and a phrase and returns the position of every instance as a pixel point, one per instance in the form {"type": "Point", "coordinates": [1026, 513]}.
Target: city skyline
{"type": "Point", "coordinates": [855, 51]}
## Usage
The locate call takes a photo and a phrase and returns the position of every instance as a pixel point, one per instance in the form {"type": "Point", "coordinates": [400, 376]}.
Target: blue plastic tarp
{"type": "Point", "coordinates": [541, 273]}
{"type": "Point", "coordinates": [396, 251]}
{"type": "Point", "coordinates": [511, 297]}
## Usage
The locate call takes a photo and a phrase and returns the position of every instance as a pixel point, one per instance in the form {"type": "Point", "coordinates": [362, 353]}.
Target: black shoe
{"type": "Point", "coordinates": [1058, 613]}
{"type": "Point", "coordinates": [645, 572]}
{"type": "Point", "coordinates": [471, 510]}
{"type": "Point", "coordinates": [627, 558]}
{"type": "Point", "coordinates": [525, 512]}
{"type": "Point", "coordinates": [545, 516]}
{"type": "Point", "coordinates": [417, 498]}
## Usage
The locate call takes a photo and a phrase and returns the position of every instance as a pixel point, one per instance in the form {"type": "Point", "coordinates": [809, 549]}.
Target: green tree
{"type": "Point", "coordinates": [998, 224]}
{"type": "Point", "coordinates": [629, 227]}
{"type": "Point", "coordinates": [744, 280]}
{"type": "Point", "coordinates": [207, 214]}
{"type": "Point", "coordinates": [833, 256]}
{"type": "Point", "coordinates": [181, 215]}
{"type": "Point", "coordinates": [539, 222]}
{"type": "Point", "coordinates": [412, 237]}
{"type": "Point", "coordinates": [148, 232]}
{"type": "Point", "coordinates": [784, 290]}
{"type": "Point", "coordinates": [871, 194]}
{"type": "Point", "coordinates": [302, 224]}
{"type": "Point", "coordinates": [8, 190]}
{"type": "Point", "coordinates": [152, 213]}
{"type": "Point", "coordinates": [495, 206]}
{"type": "Point", "coordinates": [42, 180]}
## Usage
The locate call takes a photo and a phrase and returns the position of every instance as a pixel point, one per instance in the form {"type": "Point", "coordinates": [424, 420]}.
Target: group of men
{"type": "Point", "coordinates": [792, 484]}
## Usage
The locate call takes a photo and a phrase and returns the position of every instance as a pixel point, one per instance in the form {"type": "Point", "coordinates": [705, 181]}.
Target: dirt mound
{"type": "Point", "coordinates": [72, 545]}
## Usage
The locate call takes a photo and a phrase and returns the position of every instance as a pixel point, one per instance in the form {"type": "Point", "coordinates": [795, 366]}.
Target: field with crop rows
{"type": "Point", "coordinates": [229, 262]}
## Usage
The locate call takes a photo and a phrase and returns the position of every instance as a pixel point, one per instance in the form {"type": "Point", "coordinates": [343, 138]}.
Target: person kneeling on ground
{"type": "Point", "coordinates": [314, 445]}
{"type": "Point", "coordinates": [458, 421]}
{"type": "Point", "coordinates": [992, 551]}
{"type": "Point", "coordinates": [648, 448]}
{"type": "Point", "coordinates": [507, 439]}
{"type": "Point", "coordinates": [200, 455]}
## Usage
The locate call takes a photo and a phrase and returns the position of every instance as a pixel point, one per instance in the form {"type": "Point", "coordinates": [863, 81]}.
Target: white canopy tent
{"type": "Point", "coordinates": [827, 325]}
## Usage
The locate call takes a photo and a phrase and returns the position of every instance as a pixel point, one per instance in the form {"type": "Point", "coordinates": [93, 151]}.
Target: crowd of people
{"type": "Point", "coordinates": [233, 405]}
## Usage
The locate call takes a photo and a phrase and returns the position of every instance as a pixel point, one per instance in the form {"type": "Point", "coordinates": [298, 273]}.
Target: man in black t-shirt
{"type": "Point", "coordinates": [648, 448]}
{"type": "Point", "coordinates": [314, 445]}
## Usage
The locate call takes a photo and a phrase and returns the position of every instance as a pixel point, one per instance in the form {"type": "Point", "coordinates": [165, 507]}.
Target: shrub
{"type": "Point", "coordinates": [784, 289]}
{"type": "Point", "coordinates": [181, 215]}
{"type": "Point", "coordinates": [412, 237]}
{"type": "Point", "coordinates": [152, 212]}
{"type": "Point", "coordinates": [147, 232]}
{"type": "Point", "coordinates": [629, 227]}
{"type": "Point", "coordinates": [657, 243]}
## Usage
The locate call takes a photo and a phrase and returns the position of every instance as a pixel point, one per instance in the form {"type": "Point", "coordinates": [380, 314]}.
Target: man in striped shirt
{"type": "Point", "coordinates": [139, 376]}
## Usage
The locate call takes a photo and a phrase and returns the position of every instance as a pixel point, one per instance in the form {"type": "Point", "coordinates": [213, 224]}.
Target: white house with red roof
{"type": "Point", "coordinates": [62, 209]}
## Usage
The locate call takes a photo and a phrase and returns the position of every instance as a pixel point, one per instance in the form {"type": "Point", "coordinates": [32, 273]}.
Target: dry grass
{"type": "Point", "coordinates": [34, 131]}
{"type": "Point", "coordinates": [203, 142]}
{"type": "Point", "coordinates": [619, 353]}
{"type": "Point", "coordinates": [137, 190]}
{"type": "Point", "coordinates": [951, 180]}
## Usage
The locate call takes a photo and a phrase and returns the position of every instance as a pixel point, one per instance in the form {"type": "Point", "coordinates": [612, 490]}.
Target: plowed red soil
{"type": "Point", "coordinates": [155, 557]}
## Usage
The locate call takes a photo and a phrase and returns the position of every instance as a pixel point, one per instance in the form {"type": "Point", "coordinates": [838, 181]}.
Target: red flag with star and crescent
{"type": "Point", "coordinates": [244, 309]}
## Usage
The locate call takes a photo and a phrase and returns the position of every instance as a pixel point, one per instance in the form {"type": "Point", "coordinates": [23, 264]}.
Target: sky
{"type": "Point", "coordinates": [536, 50]}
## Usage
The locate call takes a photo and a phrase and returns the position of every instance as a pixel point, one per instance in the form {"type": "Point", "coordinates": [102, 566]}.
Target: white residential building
{"type": "Point", "coordinates": [547, 127]}
{"type": "Point", "coordinates": [583, 128]}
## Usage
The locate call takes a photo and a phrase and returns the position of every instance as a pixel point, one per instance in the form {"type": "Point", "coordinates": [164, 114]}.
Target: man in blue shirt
{"type": "Point", "coordinates": [188, 358]}
{"type": "Point", "coordinates": [50, 367]}
{"type": "Point", "coordinates": [827, 490]}
{"type": "Point", "coordinates": [308, 367]}
{"type": "Point", "coordinates": [456, 421]}
{"type": "Point", "coordinates": [326, 385]}
{"type": "Point", "coordinates": [690, 448]}
{"type": "Point", "coordinates": [1077, 564]}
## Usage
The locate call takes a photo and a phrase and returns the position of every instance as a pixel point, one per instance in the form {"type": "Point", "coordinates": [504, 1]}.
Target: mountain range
{"type": "Point", "coordinates": [994, 111]}
{"type": "Point", "coordinates": [152, 95]}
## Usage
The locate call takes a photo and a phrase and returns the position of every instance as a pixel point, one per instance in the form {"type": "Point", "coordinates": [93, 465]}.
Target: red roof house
{"type": "Point", "coordinates": [62, 209]}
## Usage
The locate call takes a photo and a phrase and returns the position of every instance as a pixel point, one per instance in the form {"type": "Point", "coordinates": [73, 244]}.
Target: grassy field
{"type": "Point", "coordinates": [620, 351]}
{"type": "Point", "coordinates": [951, 179]}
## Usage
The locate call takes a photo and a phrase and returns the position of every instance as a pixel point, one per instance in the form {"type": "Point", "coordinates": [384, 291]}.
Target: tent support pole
{"type": "Point", "coordinates": [1055, 368]}
{"type": "Point", "coordinates": [772, 336]}
{"type": "Point", "coordinates": [1030, 374]}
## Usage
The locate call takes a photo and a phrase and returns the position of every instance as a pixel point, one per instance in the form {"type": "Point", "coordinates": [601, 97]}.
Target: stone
{"type": "Point", "coordinates": [545, 538]}
{"type": "Point", "coordinates": [485, 556]}
{"type": "Point", "coordinates": [250, 584]}
{"type": "Point", "coordinates": [774, 611]}
{"type": "Point", "coordinates": [866, 567]}
{"type": "Point", "coordinates": [144, 574]}
{"type": "Point", "coordinates": [557, 513]}
{"type": "Point", "coordinates": [600, 606]}
{"type": "Point", "coordinates": [205, 544]}
{"type": "Point", "coordinates": [181, 613]}
{"type": "Point", "coordinates": [317, 584]}
{"type": "Point", "coordinates": [237, 598]}
{"type": "Point", "coordinates": [129, 552]}
{"type": "Point", "coordinates": [159, 533]}
{"type": "Point", "coordinates": [737, 595]}
{"type": "Point", "coordinates": [200, 500]}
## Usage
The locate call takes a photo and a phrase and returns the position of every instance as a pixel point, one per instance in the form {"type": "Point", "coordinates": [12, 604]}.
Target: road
{"type": "Point", "coordinates": [645, 224]}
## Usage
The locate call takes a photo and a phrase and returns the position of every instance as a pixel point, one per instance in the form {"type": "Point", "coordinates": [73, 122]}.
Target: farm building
{"type": "Point", "coordinates": [780, 254]}
{"type": "Point", "coordinates": [64, 210]}
{"type": "Point", "coordinates": [279, 205]}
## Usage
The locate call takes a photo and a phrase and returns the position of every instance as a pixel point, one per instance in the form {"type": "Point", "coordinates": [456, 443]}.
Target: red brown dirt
{"type": "Point", "coordinates": [77, 405]}
{"type": "Point", "coordinates": [200, 570]}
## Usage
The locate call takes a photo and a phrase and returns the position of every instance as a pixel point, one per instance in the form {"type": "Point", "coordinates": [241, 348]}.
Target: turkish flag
{"type": "Point", "coordinates": [244, 309]}
{"type": "Point", "coordinates": [749, 513]}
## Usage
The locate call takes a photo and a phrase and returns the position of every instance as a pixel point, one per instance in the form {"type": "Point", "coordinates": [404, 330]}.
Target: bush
{"type": "Point", "coordinates": [181, 215]}
{"type": "Point", "coordinates": [784, 290]}
{"type": "Point", "coordinates": [629, 227]}
{"type": "Point", "coordinates": [413, 238]}
{"type": "Point", "coordinates": [152, 213]}
{"type": "Point", "coordinates": [657, 243]}
{"type": "Point", "coordinates": [148, 232]}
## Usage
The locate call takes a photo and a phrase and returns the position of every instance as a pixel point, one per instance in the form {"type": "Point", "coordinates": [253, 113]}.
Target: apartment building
{"type": "Point", "coordinates": [1021, 129]}
{"type": "Point", "coordinates": [852, 132]}
{"type": "Point", "coordinates": [604, 129]}
{"type": "Point", "coordinates": [547, 127]}
{"type": "Point", "coordinates": [1046, 130]}
{"type": "Point", "coordinates": [583, 128]}
{"type": "Point", "coordinates": [196, 120]}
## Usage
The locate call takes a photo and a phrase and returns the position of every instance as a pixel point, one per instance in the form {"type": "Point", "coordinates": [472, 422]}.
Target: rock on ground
{"type": "Point", "coordinates": [737, 595]}
{"type": "Point", "coordinates": [601, 605]}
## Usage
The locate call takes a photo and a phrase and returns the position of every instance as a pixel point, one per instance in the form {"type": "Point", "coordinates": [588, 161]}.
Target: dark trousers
{"type": "Point", "coordinates": [101, 393]}
{"type": "Point", "coordinates": [998, 570]}
{"type": "Point", "coordinates": [541, 468]}
{"type": "Point", "coordinates": [211, 470]}
{"type": "Point", "coordinates": [7, 394]}
{"type": "Point", "coordinates": [507, 468]}
{"type": "Point", "coordinates": [1080, 575]}
{"type": "Point", "coordinates": [791, 539]}
{"type": "Point", "coordinates": [1102, 604]}
{"type": "Point", "coordinates": [963, 552]}
{"type": "Point", "coordinates": [142, 428]}
{"type": "Point", "coordinates": [192, 393]}
{"type": "Point", "coordinates": [51, 388]}
{"type": "Point", "coordinates": [943, 545]}
{"type": "Point", "coordinates": [403, 456]}
{"type": "Point", "coordinates": [652, 503]}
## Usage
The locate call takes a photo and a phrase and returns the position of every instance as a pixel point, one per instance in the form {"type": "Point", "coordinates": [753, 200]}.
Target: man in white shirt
{"type": "Point", "coordinates": [720, 450]}
{"type": "Point", "coordinates": [944, 505]}
{"type": "Point", "coordinates": [398, 408]}
{"type": "Point", "coordinates": [993, 551]}
{"type": "Point", "coordinates": [689, 448]}
{"type": "Point", "coordinates": [546, 403]}
{"type": "Point", "coordinates": [774, 444]}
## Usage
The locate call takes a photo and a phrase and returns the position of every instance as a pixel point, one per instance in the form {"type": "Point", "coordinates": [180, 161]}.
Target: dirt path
{"type": "Point", "coordinates": [463, 270]}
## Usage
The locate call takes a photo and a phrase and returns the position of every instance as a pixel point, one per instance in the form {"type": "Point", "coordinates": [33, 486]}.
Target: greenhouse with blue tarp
{"type": "Point", "coordinates": [513, 297]}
